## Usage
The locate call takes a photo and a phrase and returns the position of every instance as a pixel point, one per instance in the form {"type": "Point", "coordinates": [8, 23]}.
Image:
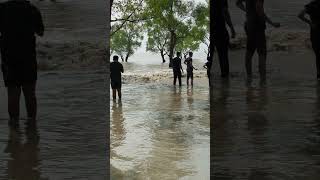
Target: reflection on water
{"type": "Point", "coordinates": [24, 159]}
{"type": "Point", "coordinates": [71, 122]}
{"type": "Point", "coordinates": [160, 132]}
{"type": "Point", "coordinates": [266, 130]}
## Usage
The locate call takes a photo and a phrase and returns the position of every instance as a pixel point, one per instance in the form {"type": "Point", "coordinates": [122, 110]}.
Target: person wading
{"type": "Point", "coordinates": [255, 26]}
{"type": "Point", "coordinates": [222, 17]}
{"type": "Point", "coordinates": [313, 10]}
{"type": "Point", "coordinates": [116, 69]}
{"type": "Point", "coordinates": [190, 68]}
{"type": "Point", "coordinates": [20, 21]}
{"type": "Point", "coordinates": [177, 68]}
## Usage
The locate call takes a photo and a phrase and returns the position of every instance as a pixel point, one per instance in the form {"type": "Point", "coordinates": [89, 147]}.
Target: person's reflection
{"type": "Point", "coordinates": [177, 99]}
{"type": "Point", "coordinates": [257, 100]}
{"type": "Point", "coordinates": [317, 119]}
{"type": "Point", "coordinates": [219, 105]}
{"type": "Point", "coordinates": [24, 163]}
{"type": "Point", "coordinates": [221, 138]}
{"type": "Point", "coordinates": [190, 97]}
{"type": "Point", "coordinates": [118, 131]}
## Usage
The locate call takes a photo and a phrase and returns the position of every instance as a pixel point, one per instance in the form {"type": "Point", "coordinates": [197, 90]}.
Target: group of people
{"type": "Point", "coordinates": [178, 70]}
{"type": "Point", "coordinates": [255, 27]}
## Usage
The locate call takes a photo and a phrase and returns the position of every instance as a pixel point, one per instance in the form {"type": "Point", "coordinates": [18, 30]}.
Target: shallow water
{"type": "Point", "coordinates": [71, 130]}
{"type": "Point", "coordinates": [267, 130]}
{"type": "Point", "coordinates": [158, 131]}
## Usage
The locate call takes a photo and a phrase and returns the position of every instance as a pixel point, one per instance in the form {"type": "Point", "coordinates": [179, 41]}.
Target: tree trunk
{"type": "Point", "coordinates": [172, 46]}
{"type": "Point", "coordinates": [127, 57]}
{"type": "Point", "coordinates": [162, 56]}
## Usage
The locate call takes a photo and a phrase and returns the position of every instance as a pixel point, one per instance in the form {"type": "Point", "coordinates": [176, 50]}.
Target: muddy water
{"type": "Point", "coordinates": [69, 142]}
{"type": "Point", "coordinates": [158, 131]}
{"type": "Point", "coordinates": [267, 130]}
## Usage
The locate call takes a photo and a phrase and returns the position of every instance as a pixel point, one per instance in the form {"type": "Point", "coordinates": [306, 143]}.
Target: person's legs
{"type": "Point", "coordinates": [175, 76]}
{"type": "Point", "coordinates": [114, 94]}
{"type": "Point", "coordinates": [248, 59]}
{"type": "Point", "coordinates": [179, 77]}
{"type": "Point", "coordinates": [29, 92]}
{"type": "Point", "coordinates": [188, 77]}
{"type": "Point", "coordinates": [119, 93]}
{"type": "Point", "coordinates": [191, 77]}
{"type": "Point", "coordinates": [14, 93]}
{"type": "Point", "coordinates": [223, 50]}
{"type": "Point", "coordinates": [262, 52]}
{"type": "Point", "coordinates": [316, 48]}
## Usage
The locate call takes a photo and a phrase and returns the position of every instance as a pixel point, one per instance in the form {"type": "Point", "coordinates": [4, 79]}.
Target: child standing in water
{"type": "Point", "coordinates": [190, 68]}
{"type": "Point", "coordinates": [313, 10]}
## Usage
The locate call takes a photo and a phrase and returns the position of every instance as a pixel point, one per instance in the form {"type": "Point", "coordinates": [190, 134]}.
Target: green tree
{"type": "Point", "coordinates": [126, 40]}
{"type": "Point", "coordinates": [124, 12]}
{"type": "Point", "coordinates": [174, 16]}
{"type": "Point", "coordinates": [158, 40]}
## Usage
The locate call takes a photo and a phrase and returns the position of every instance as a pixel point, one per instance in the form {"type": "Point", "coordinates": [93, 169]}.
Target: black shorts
{"type": "Point", "coordinates": [189, 74]}
{"type": "Point", "coordinates": [315, 39]}
{"type": "Point", "coordinates": [13, 76]}
{"type": "Point", "coordinates": [116, 84]}
{"type": "Point", "coordinates": [256, 39]}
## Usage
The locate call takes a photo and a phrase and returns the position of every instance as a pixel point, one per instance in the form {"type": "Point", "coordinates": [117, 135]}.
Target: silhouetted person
{"type": "Point", "coordinates": [313, 10]}
{"type": "Point", "coordinates": [190, 68]}
{"type": "Point", "coordinates": [255, 26]}
{"type": "Point", "coordinates": [221, 35]}
{"type": "Point", "coordinates": [208, 66]}
{"type": "Point", "coordinates": [177, 68]}
{"type": "Point", "coordinates": [19, 22]}
{"type": "Point", "coordinates": [116, 69]}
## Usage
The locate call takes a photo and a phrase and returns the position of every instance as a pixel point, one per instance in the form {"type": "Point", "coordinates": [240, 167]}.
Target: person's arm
{"type": "Point", "coordinates": [194, 68]}
{"type": "Point", "coordinates": [205, 66]}
{"type": "Point", "coordinates": [38, 25]}
{"type": "Point", "coordinates": [260, 11]}
{"type": "Point", "coordinates": [240, 4]}
{"type": "Point", "coordinates": [229, 22]}
{"type": "Point", "coordinates": [122, 70]}
{"type": "Point", "coordinates": [302, 16]}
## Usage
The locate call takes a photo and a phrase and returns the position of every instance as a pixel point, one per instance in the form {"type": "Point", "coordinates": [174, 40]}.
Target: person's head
{"type": "Point", "coordinates": [190, 54]}
{"type": "Point", "coordinates": [115, 58]}
{"type": "Point", "coordinates": [178, 54]}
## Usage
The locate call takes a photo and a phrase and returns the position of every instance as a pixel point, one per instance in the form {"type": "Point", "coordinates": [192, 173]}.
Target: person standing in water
{"type": "Point", "coordinates": [222, 17]}
{"type": "Point", "coordinates": [20, 21]}
{"type": "Point", "coordinates": [255, 27]}
{"type": "Point", "coordinates": [177, 68]}
{"type": "Point", "coordinates": [207, 66]}
{"type": "Point", "coordinates": [313, 10]}
{"type": "Point", "coordinates": [190, 68]}
{"type": "Point", "coordinates": [116, 69]}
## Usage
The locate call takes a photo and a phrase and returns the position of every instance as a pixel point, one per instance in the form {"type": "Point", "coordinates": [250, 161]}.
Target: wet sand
{"type": "Point", "coordinates": [271, 130]}
{"type": "Point", "coordinates": [158, 131]}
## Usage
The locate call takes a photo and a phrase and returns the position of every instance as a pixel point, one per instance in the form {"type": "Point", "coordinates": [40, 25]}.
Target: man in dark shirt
{"type": "Point", "coordinates": [177, 68]}
{"type": "Point", "coordinates": [255, 29]}
{"type": "Point", "coordinates": [313, 10]}
{"type": "Point", "coordinates": [221, 17]}
{"type": "Point", "coordinates": [190, 68]}
{"type": "Point", "coordinates": [116, 69]}
{"type": "Point", "coordinates": [19, 22]}
{"type": "Point", "coordinates": [208, 66]}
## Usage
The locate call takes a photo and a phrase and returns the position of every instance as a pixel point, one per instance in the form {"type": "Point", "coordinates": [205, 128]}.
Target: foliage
{"type": "Point", "coordinates": [126, 40]}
